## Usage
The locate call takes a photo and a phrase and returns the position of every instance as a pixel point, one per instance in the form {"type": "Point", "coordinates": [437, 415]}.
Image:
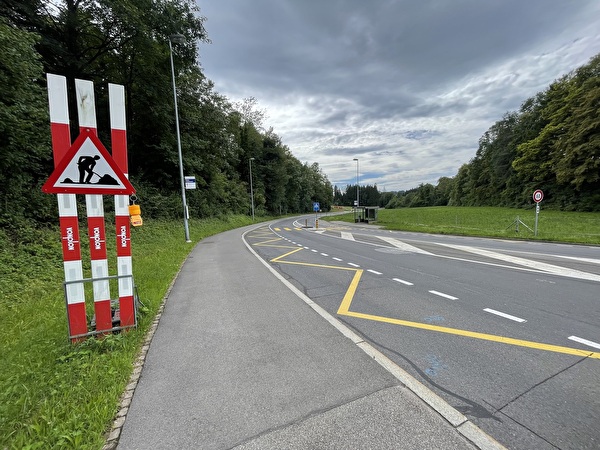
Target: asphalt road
{"type": "Point", "coordinates": [506, 332]}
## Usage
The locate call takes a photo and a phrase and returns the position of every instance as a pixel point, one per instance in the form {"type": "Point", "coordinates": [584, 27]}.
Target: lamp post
{"type": "Point", "coordinates": [251, 190]}
{"type": "Point", "coordinates": [179, 39]}
{"type": "Point", "coordinates": [357, 200]}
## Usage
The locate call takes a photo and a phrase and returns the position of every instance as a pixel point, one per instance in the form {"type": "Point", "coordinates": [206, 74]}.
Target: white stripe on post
{"type": "Point", "coordinates": [67, 208]}
{"type": "Point", "coordinates": [118, 125]}
{"type": "Point", "coordinates": [86, 110]}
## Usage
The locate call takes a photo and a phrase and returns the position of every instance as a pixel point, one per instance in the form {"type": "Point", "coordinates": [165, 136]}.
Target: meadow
{"type": "Point", "coordinates": [558, 226]}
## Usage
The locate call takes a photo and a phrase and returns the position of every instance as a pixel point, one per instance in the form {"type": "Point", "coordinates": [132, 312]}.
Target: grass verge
{"type": "Point", "coordinates": [561, 226]}
{"type": "Point", "coordinates": [54, 394]}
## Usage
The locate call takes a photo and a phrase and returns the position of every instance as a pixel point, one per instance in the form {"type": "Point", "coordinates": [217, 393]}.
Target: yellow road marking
{"type": "Point", "coordinates": [286, 254]}
{"type": "Point", "coordinates": [344, 310]}
{"type": "Point", "coordinates": [471, 334]}
{"type": "Point", "coordinates": [345, 305]}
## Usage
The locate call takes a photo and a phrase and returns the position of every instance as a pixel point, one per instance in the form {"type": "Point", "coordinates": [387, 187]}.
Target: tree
{"type": "Point", "coordinates": [26, 162]}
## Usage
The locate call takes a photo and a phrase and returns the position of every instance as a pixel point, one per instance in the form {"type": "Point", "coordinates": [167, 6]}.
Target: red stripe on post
{"type": "Point", "coordinates": [61, 140]}
{"type": "Point", "coordinates": [123, 236]}
{"type": "Point", "coordinates": [103, 315]}
{"type": "Point", "coordinates": [69, 229]}
{"type": "Point", "coordinates": [77, 319]}
{"type": "Point", "coordinates": [97, 238]}
{"type": "Point", "coordinates": [119, 148]}
{"type": "Point", "coordinates": [127, 311]}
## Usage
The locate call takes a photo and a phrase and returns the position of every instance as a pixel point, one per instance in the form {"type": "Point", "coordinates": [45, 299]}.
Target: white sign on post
{"type": "Point", "coordinates": [538, 196]}
{"type": "Point", "coordinates": [190, 182]}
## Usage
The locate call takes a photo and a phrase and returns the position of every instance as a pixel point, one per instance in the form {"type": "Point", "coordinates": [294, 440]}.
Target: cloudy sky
{"type": "Point", "coordinates": [406, 86]}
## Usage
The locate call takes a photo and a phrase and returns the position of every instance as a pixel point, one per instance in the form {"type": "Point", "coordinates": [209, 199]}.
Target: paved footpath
{"type": "Point", "coordinates": [240, 360]}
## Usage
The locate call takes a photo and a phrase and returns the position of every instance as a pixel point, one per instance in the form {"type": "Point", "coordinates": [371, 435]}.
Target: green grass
{"type": "Point", "coordinates": [54, 394]}
{"type": "Point", "coordinates": [559, 226]}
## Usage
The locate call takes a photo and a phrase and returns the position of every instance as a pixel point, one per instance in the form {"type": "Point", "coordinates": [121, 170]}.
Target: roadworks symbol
{"type": "Point", "coordinates": [88, 168]}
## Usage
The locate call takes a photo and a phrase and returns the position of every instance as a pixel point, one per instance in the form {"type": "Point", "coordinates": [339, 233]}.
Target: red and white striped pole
{"type": "Point", "coordinates": [67, 208]}
{"type": "Point", "coordinates": [116, 95]}
{"type": "Point", "coordinates": [86, 110]}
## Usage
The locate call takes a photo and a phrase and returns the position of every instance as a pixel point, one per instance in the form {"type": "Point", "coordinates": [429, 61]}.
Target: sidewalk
{"type": "Point", "coordinates": [239, 360]}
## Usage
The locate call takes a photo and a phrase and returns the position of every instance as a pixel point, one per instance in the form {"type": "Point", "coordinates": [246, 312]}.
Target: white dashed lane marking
{"type": "Point", "coordinates": [506, 316]}
{"type": "Point", "coordinates": [441, 294]}
{"type": "Point", "coordinates": [584, 341]}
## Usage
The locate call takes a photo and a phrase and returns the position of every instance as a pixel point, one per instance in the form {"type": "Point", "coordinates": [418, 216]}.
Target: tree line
{"type": "Point", "coordinates": [127, 42]}
{"type": "Point", "coordinates": [551, 143]}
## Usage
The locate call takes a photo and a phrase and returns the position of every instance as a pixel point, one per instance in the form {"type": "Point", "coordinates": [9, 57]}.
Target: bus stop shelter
{"type": "Point", "coordinates": [365, 214]}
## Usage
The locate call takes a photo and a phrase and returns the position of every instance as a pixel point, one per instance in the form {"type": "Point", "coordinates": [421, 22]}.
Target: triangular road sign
{"type": "Point", "coordinates": [87, 168]}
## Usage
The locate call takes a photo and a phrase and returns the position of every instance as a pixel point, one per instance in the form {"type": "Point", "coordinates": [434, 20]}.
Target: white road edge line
{"type": "Point", "coordinates": [537, 265]}
{"type": "Point", "coordinates": [506, 316]}
{"type": "Point", "coordinates": [408, 283]}
{"type": "Point", "coordinates": [441, 294]}
{"type": "Point", "coordinates": [584, 341]}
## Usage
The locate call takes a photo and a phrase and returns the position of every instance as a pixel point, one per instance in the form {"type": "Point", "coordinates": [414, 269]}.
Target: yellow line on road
{"type": "Point", "coordinates": [471, 334]}
{"type": "Point", "coordinates": [345, 305]}
{"type": "Point", "coordinates": [268, 242]}
{"type": "Point", "coordinates": [320, 266]}
{"type": "Point", "coordinates": [286, 254]}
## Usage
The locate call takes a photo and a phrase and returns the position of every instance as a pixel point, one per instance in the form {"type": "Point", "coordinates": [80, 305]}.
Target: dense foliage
{"type": "Point", "coordinates": [552, 143]}
{"type": "Point", "coordinates": [127, 42]}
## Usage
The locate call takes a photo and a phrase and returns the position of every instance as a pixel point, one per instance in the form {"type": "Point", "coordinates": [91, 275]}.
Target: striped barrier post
{"type": "Point", "coordinates": [116, 94]}
{"type": "Point", "coordinates": [67, 208]}
{"type": "Point", "coordinates": [86, 110]}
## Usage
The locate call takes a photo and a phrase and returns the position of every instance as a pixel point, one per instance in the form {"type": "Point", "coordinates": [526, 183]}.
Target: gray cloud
{"type": "Point", "coordinates": [408, 87]}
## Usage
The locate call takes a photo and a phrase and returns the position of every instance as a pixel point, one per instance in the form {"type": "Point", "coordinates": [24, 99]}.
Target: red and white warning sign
{"type": "Point", "coordinates": [87, 168]}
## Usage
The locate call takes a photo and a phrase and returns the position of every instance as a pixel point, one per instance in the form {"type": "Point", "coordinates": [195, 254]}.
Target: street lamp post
{"type": "Point", "coordinates": [357, 199]}
{"type": "Point", "coordinates": [357, 191]}
{"type": "Point", "coordinates": [179, 39]}
{"type": "Point", "coordinates": [251, 190]}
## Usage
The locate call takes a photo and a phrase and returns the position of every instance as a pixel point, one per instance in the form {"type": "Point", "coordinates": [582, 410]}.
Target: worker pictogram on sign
{"type": "Point", "coordinates": [87, 168]}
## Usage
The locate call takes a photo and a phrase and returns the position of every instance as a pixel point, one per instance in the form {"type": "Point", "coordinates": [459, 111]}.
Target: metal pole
{"type": "Point", "coordinates": [251, 189]}
{"type": "Point", "coordinates": [357, 191]}
{"type": "Point", "coordinates": [177, 38]}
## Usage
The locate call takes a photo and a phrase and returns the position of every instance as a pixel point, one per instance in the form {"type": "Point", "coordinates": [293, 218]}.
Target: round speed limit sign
{"type": "Point", "coordinates": [538, 195]}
